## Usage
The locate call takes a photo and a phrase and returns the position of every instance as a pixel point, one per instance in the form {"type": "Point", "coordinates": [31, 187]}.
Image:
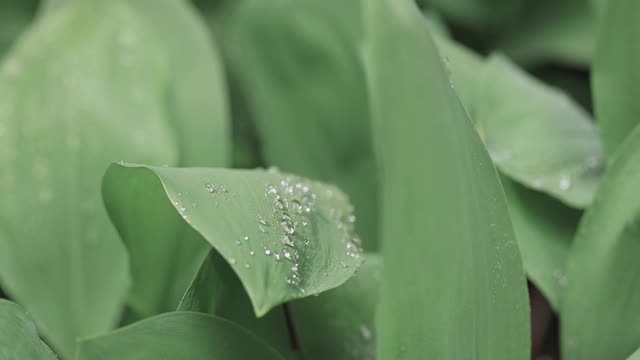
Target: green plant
{"type": "Point", "coordinates": [475, 199]}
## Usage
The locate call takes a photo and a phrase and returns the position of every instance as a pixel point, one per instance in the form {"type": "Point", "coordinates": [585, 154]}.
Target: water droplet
{"type": "Point", "coordinates": [210, 188]}
{"type": "Point", "coordinates": [287, 241]}
{"type": "Point", "coordinates": [365, 332]}
{"type": "Point", "coordinates": [287, 254]}
{"type": "Point", "coordinates": [246, 238]}
{"type": "Point", "coordinates": [252, 253]}
{"type": "Point", "coordinates": [246, 266]}
{"type": "Point", "coordinates": [564, 183]}
{"type": "Point", "coordinates": [232, 261]}
{"type": "Point", "coordinates": [351, 219]}
{"type": "Point", "coordinates": [267, 252]}
{"type": "Point", "coordinates": [287, 225]}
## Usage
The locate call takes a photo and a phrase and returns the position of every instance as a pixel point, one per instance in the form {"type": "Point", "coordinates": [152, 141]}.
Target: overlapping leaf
{"type": "Point", "coordinates": [285, 237]}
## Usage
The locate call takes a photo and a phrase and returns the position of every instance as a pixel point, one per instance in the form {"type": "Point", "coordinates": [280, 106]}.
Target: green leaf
{"type": "Point", "coordinates": [197, 98]}
{"type": "Point", "coordinates": [60, 127]}
{"type": "Point", "coordinates": [448, 245]}
{"type": "Point", "coordinates": [284, 236]}
{"type": "Point", "coordinates": [615, 74]}
{"type": "Point", "coordinates": [602, 267]}
{"type": "Point", "coordinates": [217, 290]}
{"type": "Point", "coordinates": [340, 323]}
{"type": "Point", "coordinates": [19, 336]}
{"type": "Point", "coordinates": [181, 335]}
{"type": "Point", "coordinates": [277, 49]}
{"type": "Point", "coordinates": [540, 137]}
{"type": "Point", "coordinates": [544, 229]}
{"type": "Point", "coordinates": [565, 35]}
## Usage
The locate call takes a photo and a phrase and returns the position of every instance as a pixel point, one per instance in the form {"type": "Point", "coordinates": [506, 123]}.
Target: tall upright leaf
{"type": "Point", "coordinates": [19, 336]}
{"type": "Point", "coordinates": [615, 75]}
{"type": "Point", "coordinates": [75, 94]}
{"type": "Point", "coordinates": [448, 245]}
{"type": "Point", "coordinates": [602, 269]}
{"type": "Point", "coordinates": [298, 65]}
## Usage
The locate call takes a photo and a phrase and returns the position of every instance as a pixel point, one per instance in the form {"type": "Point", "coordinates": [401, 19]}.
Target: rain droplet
{"type": "Point", "coordinates": [246, 238]}
{"type": "Point", "coordinates": [246, 266]}
{"type": "Point", "coordinates": [565, 183]}
{"type": "Point", "coordinates": [365, 332]}
{"type": "Point", "coordinates": [209, 188]}
{"type": "Point", "coordinates": [252, 253]}
{"type": "Point", "coordinates": [232, 261]}
{"type": "Point", "coordinates": [267, 252]}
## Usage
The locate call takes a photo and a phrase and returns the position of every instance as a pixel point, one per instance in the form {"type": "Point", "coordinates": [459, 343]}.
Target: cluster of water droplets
{"type": "Point", "coordinates": [292, 202]}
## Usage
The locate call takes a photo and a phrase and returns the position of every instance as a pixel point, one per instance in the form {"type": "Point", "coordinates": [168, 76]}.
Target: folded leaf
{"type": "Point", "coordinates": [602, 268]}
{"type": "Point", "coordinates": [18, 335]}
{"type": "Point", "coordinates": [615, 75]}
{"type": "Point", "coordinates": [181, 335]}
{"type": "Point", "coordinates": [340, 323]}
{"type": "Point", "coordinates": [540, 137]}
{"type": "Point", "coordinates": [285, 237]}
{"type": "Point", "coordinates": [448, 245]}
{"type": "Point", "coordinates": [84, 87]}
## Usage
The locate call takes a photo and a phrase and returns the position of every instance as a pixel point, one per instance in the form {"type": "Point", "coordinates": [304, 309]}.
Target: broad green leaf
{"type": "Point", "coordinates": [298, 63]}
{"type": "Point", "coordinates": [340, 323]}
{"type": "Point", "coordinates": [615, 75]}
{"type": "Point", "coordinates": [544, 229]}
{"type": "Point", "coordinates": [540, 137]}
{"type": "Point", "coordinates": [18, 335]}
{"type": "Point", "coordinates": [74, 96]}
{"type": "Point", "coordinates": [564, 35]}
{"type": "Point", "coordinates": [448, 245]}
{"type": "Point", "coordinates": [178, 335]}
{"type": "Point", "coordinates": [284, 236]}
{"type": "Point", "coordinates": [217, 290]}
{"type": "Point", "coordinates": [602, 268]}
